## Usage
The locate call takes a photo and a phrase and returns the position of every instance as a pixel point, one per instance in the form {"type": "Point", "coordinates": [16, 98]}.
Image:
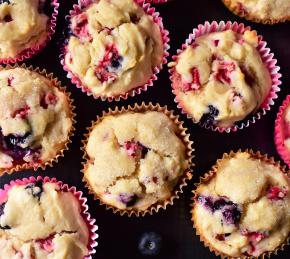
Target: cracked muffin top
{"type": "Point", "coordinates": [245, 208]}
{"type": "Point", "coordinates": [140, 160]}
{"type": "Point", "coordinates": [220, 78]}
{"type": "Point", "coordinates": [35, 118]}
{"type": "Point", "coordinates": [39, 220]}
{"type": "Point", "coordinates": [265, 10]}
{"type": "Point", "coordinates": [22, 25]}
{"type": "Point", "coordinates": [114, 47]}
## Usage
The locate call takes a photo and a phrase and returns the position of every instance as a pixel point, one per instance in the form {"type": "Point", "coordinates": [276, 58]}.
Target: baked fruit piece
{"type": "Point", "coordinates": [263, 11]}
{"type": "Point", "coordinates": [220, 78]}
{"type": "Point", "coordinates": [35, 119]}
{"type": "Point", "coordinates": [140, 160]}
{"type": "Point", "coordinates": [39, 220]}
{"type": "Point", "coordinates": [242, 208]}
{"type": "Point", "coordinates": [22, 25]}
{"type": "Point", "coordinates": [114, 47]}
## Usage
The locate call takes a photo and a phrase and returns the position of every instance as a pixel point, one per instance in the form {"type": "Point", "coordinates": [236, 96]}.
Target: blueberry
{"type": "Point", "coordinates": [144, 151]}
{"type": "Point", "coordinates": [116, 61]}
{"type": "Point", "coordinates": [207, 202]}
{"type": "Point", "coordinates": [5, 1]}
{"type": "Point", "coordinates": [231, 215]}
{"type": "Point", "coordinates": [12, 141]}
{"type": "Point", "coordinates": [5, 227]}
{"type": "Point", "coordinates": [35, 189]}
{"type": "Point", "coordinates": [209, 117]}
{"type": "Point", "coordinates": [220, 203]}
{"type": "Point", "coordinates": [2, 206]}
{"type": "Point", "coordinates": [150, 243]}
{"type": "Point", "coordinates": [128, 199]}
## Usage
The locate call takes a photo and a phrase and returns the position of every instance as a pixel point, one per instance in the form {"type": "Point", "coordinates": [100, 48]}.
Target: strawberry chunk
{"type": "Point", "coordinates": [46, 243]}
{"type": "Point", "coordinates": [81, 28]}
{"type": "Point", "coordinates": [48, 99]}
{"type": "Point", "coordinates": [132, 148]}
{"type": "Point", "coordinates": [195, 84]}
{"type": "Point", "coordinates": [10, 80]}
{"type": "Point", "coordinates": [241, 9]}
{"type": "Point", "coordinates": [21, 113]}
{"type": "Point", "coordinates": [106, 69]}
{"type": "Point", "coordinates": [276, 193]}
{"type": "Point", "coordinates": [224, 71]}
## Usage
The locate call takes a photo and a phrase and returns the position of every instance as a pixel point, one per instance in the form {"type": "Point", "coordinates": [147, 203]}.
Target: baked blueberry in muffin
{"type": "Point", "coordinates": [114, 47]}
{"type": "Point", "coordinates": [140, 162]}
{"type": "Point", "coordinates": [39, 220]}
{"type": "Point", "coordinates": [23, 25]}
{"type": "Point", "coordinates": [220, 78]}
{"type": "Point", "coordinates": [35, 119]}
{"type": "Point", "coordinates": [242, 209]}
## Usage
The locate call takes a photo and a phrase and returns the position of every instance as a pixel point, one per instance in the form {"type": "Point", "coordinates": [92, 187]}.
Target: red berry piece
{"type": "Point", "coordinates": [195, 84]}
{"type": "Point", "coordinates": [46, 243]}
{"type": "Point", "coordinates": [224, 71]}
{"type": "Point", "coordinates": [81, 28]}
{"type": "Point", "coordinates": [216, 42]}
{"type": "Point", "coordinates": [106, 69]}
{"type": "Point", "coordinates": [48, 99]}
{"type": "Point", "coordinates": [276, 193]}
{"type": "Point", "coordinates": [241, 9]}
{"type": "Point", "coordinates": [21, 113]}
{"type": "Point", "coordinates": [129, 199]}
{"type": "Point", "coordinates": [132, 148]}
{"type": "Point", "coordinates": [10, 80]}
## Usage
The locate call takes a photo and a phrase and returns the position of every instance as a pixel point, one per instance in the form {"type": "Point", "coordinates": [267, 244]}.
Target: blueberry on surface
{"type": "Point", "coordinates": [231, 215]}
{"type": "Point", "coordinates": [209, 117]}
{"type": "Point", "coordinates": [144, 151]}
{"type": "Point", "coordinates": [2, 206]}
{"type": "Point", "coordinates": [129, 199]}
{"type": "Point", "coordinates": [150, 243]}
{"type": "Point", "coordinates": [15, 140]}
{"type": "Point", "coordinates": [35, 189]}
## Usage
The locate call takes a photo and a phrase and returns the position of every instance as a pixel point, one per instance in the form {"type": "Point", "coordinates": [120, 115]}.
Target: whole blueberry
{"type": "Point", "coordinates": [150, 243]}
{"type": "Point", "coordinates": [2, 206]}
{"type": "Point", "coordinates": [12, 140]}
{"type": "Point", "coordinates": [35, 189]}
{"type": "Point", "coordinates": [209, 117]}
{"type": "Point", "coordinates": [4, 1]}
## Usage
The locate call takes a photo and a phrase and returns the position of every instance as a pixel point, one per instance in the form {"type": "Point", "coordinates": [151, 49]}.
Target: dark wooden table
{"type": "Point", "coordinates": [118, 236]}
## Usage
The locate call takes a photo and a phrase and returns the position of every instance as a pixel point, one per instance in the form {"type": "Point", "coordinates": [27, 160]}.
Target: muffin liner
{"type": "Point", "coordinates": [267, 58]}
{"type": "Point", "coordinates": [234, 9]}
{"type": "Point", "coordinates": [57, 84]}
{"type": "Point", "coordinates": [30, 52]}
{"type": "Point", "coordinates": [138, 89]}
{"type": "Point", "coordinates": [182, 182]}
{"type": "Point", "coordinates": [279, 135]}
{"type": "Point", "coordinates": [211, 174]}
{"type": "Point", "coordinates": [90, 222]}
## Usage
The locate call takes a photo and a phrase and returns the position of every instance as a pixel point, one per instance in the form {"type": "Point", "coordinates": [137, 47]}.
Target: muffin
{"type": "Point", "coordinates": [113, 48]}
{"type": "Point", "coordinates": [282, 131]}
{"type": "Point", "coordinates": [143, 160]}
{"type": "Point", "coordinates": [40, 220]}
{"type": "Point", "coordinates": [242, 207]}
{"type": "Point", "coordinates": [23, 25]}
{"type": "Point", "coordinates": [263, 11]}
{"type": "Point", "coordinates": [35, 119]}
{"type": "Point", "coordinates": [220, 78]}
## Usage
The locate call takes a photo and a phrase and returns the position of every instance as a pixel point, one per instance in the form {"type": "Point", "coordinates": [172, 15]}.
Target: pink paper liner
{"type": "Point", "coordinates": [29, 52]}
{"type": "Point", "coordinates": [279, 134]}
{"type": "Point", "coordinates": [267, 58]}
{"type": "Point", "coordinates": [138, 89]}
{"type": "Point", "coordinates": [64, 187]}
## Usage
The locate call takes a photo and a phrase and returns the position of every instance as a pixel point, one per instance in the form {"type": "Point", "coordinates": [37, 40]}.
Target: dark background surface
{"type": "Point", "coordinates": [118, 236]}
